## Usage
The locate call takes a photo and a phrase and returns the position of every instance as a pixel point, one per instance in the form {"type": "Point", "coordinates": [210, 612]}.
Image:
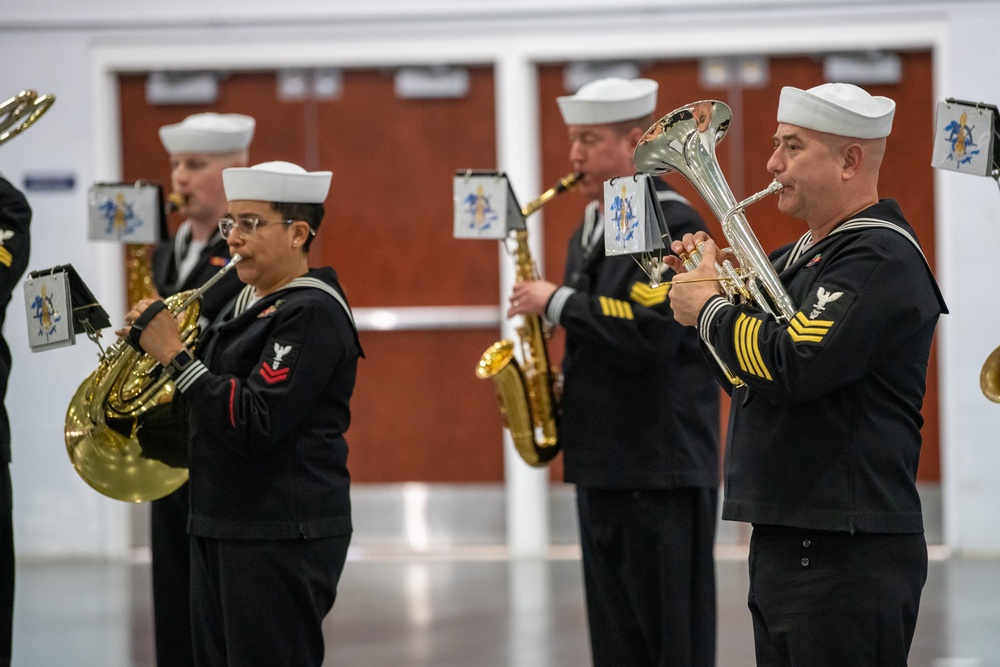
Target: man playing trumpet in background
{"type": "Point", "coordinates": [824, 437]}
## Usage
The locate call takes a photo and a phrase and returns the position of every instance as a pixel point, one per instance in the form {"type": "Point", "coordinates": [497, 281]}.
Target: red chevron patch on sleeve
{"type": "Point", "coordinates": [272, 376]}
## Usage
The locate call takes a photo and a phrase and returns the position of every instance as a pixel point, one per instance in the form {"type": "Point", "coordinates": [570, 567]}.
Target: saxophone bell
{"type": "Point", "coordinates": [528, 393]}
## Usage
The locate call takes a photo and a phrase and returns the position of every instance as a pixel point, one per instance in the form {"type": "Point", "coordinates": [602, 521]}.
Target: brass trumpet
{"type": "Point", "coordinates": [19, 112]}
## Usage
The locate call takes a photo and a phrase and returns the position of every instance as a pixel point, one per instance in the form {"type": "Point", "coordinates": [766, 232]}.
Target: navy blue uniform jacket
{"type": "Point", "coordinates": [640, 408]}
{"type": "Point", "coordinates": [269, 406]}
{"type": "Point", "coordinates": [826, 434]}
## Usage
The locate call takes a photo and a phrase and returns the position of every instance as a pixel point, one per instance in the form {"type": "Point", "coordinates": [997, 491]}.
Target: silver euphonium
{"type": "Point", "coordinates": [684, 141]}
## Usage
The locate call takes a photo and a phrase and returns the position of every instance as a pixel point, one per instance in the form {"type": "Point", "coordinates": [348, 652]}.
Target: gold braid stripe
{"type": "Point", "coordinates": [745, 338]}
{"type": "Point", "coordinates": [616, 308]}
{"type": "Point", "coordinates": [644, 295]}
{"type": "Point", "coordinates": [804, 330]}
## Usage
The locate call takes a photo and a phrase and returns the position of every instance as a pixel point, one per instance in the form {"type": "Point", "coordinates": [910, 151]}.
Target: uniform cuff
{"type": "Point", "coordinates": [707, 316]}
{"type": "Point", "coordinates": [553, 310]}
{"type": "Point", "coordinates": [190, 374]}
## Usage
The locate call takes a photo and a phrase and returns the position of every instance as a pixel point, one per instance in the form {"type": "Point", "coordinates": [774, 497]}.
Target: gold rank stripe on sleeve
{"type": "Point", "coordinates": [804, 330]}
{"type": "Point", "coordinates": [5, 257]}
{"type": "Point", "coordinates": [644, 295]}
{"type": "Point", "coordinates": [745, 338]}
{"type": "Point", "coordinates": [616, 308]}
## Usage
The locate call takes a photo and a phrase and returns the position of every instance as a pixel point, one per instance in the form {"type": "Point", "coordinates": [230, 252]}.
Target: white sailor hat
{"type": "Point", "coordinates": [208, 133]}
{"type": "Point", "coordinates": [837, 108]}
{"type": "Point", "coordinates": [609, 101]}
{"type": "Point", "coordinates": [276, 182]}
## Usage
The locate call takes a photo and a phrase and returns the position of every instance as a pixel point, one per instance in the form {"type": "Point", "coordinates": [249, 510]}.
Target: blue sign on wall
{"type": "Point", "coordinates": [52, 182]}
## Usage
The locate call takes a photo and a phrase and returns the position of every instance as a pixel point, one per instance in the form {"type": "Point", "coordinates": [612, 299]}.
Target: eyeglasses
{"type": "Point", "coordinates": [246, 226]}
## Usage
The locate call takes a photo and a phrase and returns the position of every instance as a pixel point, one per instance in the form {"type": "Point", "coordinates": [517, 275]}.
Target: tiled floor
{"type": "Point", "coordinates": [460, 609]}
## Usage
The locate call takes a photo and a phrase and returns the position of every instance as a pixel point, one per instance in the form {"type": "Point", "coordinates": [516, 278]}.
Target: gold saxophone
{"type": "Point", "coordinates": [526, 392]}
{"type": "Point", "coordinates": [138, 263]}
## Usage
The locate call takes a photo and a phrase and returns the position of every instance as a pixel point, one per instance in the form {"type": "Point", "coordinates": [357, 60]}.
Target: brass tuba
{"type": "Point", "coordinates": [526, 392]}
{"type": "Point", "coordinates": [27, 105]}
{"type": "Point", "coordinates": [684, 141]}
{"type": "Point", "coordinates": [113, 419]}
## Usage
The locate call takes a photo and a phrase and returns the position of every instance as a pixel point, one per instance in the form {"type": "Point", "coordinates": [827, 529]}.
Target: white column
{"type": "Point", "coordinates": [967, 210]}
{"type": "Point", "coordinates": [516, 90]}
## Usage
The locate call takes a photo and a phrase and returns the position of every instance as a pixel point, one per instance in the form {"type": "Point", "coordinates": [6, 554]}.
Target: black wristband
{"type": "Point", "coordinates": [137, 327]}
{"type": "Point", "coordinates": [180, 363]}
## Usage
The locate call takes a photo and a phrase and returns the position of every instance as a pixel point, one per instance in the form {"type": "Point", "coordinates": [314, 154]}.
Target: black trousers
{"type": "Point", "coordinates": [171, 570]}
{"type": "Point", "coordinates": [649, 575]}
{"type": "Point", "coordinates": [6, 564]}
{"type": "Point", "coordinates": [824, 599]}
{"type": "Point", "coordinates": [262, 602]}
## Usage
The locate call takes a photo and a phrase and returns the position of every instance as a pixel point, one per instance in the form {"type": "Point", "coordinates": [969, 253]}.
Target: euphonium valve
{"type": "Point", "coordinates": [526, 391]}
{"type": "Point", "coordinates": [113, 422]}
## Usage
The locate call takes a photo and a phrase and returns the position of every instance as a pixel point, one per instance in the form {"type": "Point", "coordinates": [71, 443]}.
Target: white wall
{"type": "Point", "coordinates": [56, 46]}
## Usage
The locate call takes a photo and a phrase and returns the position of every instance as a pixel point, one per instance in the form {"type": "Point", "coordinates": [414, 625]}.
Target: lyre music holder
{"type": "Point", "coordinates": [634, 224]}
{"type": "Point", "coordinates": [132, 213]}
{"type": "Point", "coordinates": [485, 206]}
{"type": "Point", "coordinates": [59, 305]}
{"type": "Point", "coordinates": [967, 138]}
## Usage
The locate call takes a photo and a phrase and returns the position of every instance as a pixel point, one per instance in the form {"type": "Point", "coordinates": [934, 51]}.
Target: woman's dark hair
{"type": "Point", "coordinates": [310, 213]}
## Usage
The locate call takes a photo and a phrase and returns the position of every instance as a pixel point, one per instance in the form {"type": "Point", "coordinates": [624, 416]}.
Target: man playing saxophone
{"type": "Point", "coordinates": [824, 438]}
{"type": "Point", "coordinates": [200, 148]}
{"type": "Point", "coordinates": [643, 455]}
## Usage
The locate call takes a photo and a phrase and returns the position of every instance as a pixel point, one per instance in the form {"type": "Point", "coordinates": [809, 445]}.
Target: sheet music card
{"type": "Point", "coordinates": [126, 212]}
{"type": "Point", "coordinates": [963, 138]}
{"type": "Point", "coordinates": [485, 206]}
{"type": "Point", "coordinates": [59, 305]}
{"type": "Point", "coordinates": [49, 311]}
{"type": "Point", "coordinates": [633, 221]}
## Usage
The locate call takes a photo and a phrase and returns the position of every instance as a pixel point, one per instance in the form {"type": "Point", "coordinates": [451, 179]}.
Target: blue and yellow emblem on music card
{"type": "Point", "coordinates": [625, 216]}
{"type": "Point", "coordinates": [49, 311]}
{"type": "Point", "coordinates": [481, 202]}
{"type": "Point", "coordinates": [963, 138]}
{"type": "Point", "coordinates": [123, 212]}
